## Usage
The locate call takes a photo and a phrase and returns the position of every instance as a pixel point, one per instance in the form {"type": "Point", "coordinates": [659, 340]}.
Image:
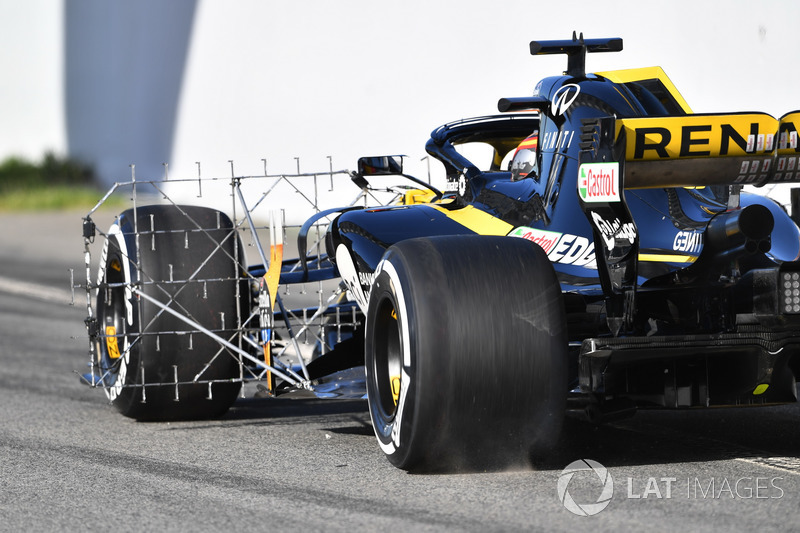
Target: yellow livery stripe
{"type": "Point", "coordinates": [667, 258]}
{"type": "Point", "coordinates": [476, 220]}
{"type": "Point", "coordinates": [483, 223]}
{"type": "Point", "coordinates": [417, 196]}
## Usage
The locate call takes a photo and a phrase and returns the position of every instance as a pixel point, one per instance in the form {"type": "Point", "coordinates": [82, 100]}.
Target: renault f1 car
{"type": "Point", "coordinates": [607, 258]}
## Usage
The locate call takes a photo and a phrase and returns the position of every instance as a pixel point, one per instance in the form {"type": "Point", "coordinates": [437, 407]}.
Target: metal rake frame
{"type": "Point", "coordinates": [302, 327]}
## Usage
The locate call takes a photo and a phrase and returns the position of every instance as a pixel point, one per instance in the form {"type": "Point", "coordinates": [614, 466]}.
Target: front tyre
{"type": "Point", "coordinates": [466, 353]}
{"type": "Point", "coordinates": [154, 366]}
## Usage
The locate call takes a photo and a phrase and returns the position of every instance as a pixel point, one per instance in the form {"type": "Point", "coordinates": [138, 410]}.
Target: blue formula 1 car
{"type": "Point", "coordinates": [605, 259]}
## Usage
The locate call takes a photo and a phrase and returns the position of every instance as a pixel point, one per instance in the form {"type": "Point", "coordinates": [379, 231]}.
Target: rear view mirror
{"type": "Point", "coordinates": [381, 165]}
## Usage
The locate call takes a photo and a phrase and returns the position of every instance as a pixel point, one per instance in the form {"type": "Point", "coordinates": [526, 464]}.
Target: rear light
{"type": "Point", "coordinates": [790, 292]}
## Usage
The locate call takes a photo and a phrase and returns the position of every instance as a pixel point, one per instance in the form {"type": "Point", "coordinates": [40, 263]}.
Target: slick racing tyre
{"type": "Point", "coordinates": [155, 367]}
{"type": "Point", "coordinates": [466, 353]}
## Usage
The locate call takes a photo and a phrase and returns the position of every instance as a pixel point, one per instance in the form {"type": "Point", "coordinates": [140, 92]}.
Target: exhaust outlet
{"type": "Point", "coordinates": [741, 232]}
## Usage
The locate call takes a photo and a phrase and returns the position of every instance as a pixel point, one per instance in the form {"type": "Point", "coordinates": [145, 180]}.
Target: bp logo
{"type": "Point", "coordinates": [585, 476]}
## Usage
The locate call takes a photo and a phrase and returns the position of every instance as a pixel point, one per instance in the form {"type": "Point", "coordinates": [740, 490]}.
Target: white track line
{"type": "Point", "coordinates": [34, 290]}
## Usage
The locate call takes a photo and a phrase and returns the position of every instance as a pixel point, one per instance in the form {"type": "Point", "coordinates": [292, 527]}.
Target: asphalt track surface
{"type": "Point", "coordinates": [70, 462]}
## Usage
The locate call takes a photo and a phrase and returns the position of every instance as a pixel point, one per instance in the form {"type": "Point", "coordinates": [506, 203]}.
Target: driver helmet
{"type": "Point", "coordinates": [523, 164]}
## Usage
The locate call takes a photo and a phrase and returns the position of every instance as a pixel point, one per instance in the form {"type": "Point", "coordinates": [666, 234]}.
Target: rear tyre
{"type": "Point", "coordinates": [466, 353]}
{"type": "Point", "coordinates": [149, 357]}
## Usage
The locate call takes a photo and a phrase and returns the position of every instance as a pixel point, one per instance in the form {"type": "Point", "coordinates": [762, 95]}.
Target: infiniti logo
{"type": "Point", "coordinates": [564, 98]}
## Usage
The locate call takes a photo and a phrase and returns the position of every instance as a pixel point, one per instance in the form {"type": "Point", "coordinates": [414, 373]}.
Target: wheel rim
{"type": "Point", "coordinates": [388, 358]}
{"type": "Point", "coordinates": [113, 340]}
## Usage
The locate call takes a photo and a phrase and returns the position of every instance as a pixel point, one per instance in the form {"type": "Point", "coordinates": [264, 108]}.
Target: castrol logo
{"type": "Point", "coordinates": [560, 247]}
{"type": "Point", "coordinates": [599, 182]}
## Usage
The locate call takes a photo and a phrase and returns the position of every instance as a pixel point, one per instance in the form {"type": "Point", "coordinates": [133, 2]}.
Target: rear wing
{"type": "Point", "coordinates": [673, 151]}
{"type": "Point", "coordinates": [708, 149]}
{"type": "Point", "coordinates": [656, 82]}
